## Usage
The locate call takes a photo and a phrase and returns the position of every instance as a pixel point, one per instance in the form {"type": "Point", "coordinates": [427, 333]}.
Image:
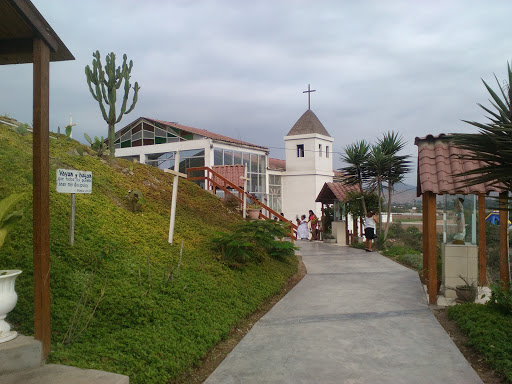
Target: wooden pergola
{"type": "Point", "coordinates": [337, 191]}
{"type": "Point", "coordinates": [26, 37]}
{"type": "Point", "coordinates": [439, 173]}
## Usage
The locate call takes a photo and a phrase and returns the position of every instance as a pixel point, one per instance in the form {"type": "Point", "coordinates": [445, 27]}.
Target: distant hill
{"type": "Point", "coordinates": [123, 299]}
{"type": "Point", "coordinates": [404, 193]}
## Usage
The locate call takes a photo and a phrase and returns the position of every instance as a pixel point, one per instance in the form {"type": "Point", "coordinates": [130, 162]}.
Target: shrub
{"type": "Point", "coordinates": [501, 298]}
{"type": "Point", "coordinates": [489, 331]}
{"type": "Point", "coordinates": [252, 239]}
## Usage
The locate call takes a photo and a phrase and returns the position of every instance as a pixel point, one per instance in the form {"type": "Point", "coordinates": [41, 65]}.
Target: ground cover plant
{"type": "Point", "coordinates": [489, 331]}
{"type": "Point", "coordinates": [123, 299]}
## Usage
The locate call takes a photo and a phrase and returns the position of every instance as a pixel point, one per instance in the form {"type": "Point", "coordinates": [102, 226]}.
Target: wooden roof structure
{"type": "Point", "coordinates": [440, 167]}
{"type": "Point", "coordinates": [439, 172]}
{"type": "Point", "coordinates": [335, 191]}
{"type": "Point", "coordinates": [26, 37]}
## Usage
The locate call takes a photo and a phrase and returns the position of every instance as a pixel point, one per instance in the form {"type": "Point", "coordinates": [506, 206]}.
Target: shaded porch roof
{"type": "Point", "coordinates": [335, 191]}
{"type": "Point", "coordinates": [440, 167]}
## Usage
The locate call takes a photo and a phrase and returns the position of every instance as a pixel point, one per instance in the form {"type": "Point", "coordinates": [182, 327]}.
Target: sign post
{"type": "Point", "coordinates": [73, 181]}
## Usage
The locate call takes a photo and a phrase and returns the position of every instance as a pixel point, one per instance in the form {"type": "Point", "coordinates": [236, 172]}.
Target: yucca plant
{"type": "Point", "coordinates": [493, 144]}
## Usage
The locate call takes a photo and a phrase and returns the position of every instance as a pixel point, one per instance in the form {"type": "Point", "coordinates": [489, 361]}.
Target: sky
{"type": "Point", "coordinates": [239, 68]}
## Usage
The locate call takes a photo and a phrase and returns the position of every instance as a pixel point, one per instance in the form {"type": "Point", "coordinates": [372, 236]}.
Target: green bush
{"type": "Point", "coordinates": [501, 298]}
{"type": "Point", "coordinates": [251, 240]}
{"type": "Point", "coordinates": [489, 331]}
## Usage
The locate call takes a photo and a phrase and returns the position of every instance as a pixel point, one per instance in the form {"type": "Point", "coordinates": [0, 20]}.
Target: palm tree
{"type": "Point", "coordinates": [377, 166]}
{"type": "Point", "coordinates": [395, 167]}
{"type": "Point", "coordinates": [356, 156]}
{"type": "Point", "coordinates": [493, 144]}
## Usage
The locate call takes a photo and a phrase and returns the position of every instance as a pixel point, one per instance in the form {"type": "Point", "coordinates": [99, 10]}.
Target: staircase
{"type": "Point", "coordinates": [21, 363]}
{"type": "Point", "coordinates": [214, 180]}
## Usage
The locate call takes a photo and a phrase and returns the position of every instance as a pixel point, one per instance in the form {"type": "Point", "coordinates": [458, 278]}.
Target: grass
{"type": "Point", "coordinates": [134, 306]}
{"type": "Point", "coordinates": [489, 331]}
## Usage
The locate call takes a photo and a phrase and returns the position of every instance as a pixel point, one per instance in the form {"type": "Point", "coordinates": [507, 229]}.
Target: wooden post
{"type": "Point", "coordinates": [72, 221]}
{"type": "Point", "coordinates": [504, 274]}
{"type": "Point", "coordinates": [41, 195]}
{"type": "Point", "coordinates": [425, 237]}
{"type": "Point", "coordinates": [174, 196]}
{"type": "Point", "coordinates": [429, 245]}
{"type": "Point", "coordinates": [482, 240]}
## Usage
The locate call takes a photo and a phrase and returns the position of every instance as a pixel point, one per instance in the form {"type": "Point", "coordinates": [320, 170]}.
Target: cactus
{"type": "Point", "coordinates": [105, 90]}
{"type": "Point", "coordinates": [98, 145]}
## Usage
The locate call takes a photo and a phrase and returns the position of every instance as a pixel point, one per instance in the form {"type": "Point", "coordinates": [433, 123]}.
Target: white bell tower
{"type": "Point", "coordinates": [309, 164]}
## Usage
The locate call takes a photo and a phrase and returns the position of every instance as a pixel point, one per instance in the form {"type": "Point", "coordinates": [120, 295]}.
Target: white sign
{"type": "Point", "coordinates": [73, 181]}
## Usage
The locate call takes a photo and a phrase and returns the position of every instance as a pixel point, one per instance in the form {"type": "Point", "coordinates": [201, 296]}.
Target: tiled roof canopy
{"type": "Point", "coordinates": [439, 168]}
{"type": "Point", "coordinates": [308, 123]}
{"type": "Point", "coordinates": [233, 173]}
{"type": "Point", "coordinates": [276, 164]}
{"type": "Point", "coordinates": [335, 191]}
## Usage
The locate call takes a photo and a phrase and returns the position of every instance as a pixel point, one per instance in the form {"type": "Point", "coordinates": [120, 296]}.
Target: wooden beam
{"type": "Point", "coordinates": [429, 246]}
{"type": "Point", "coordinates": [424, 203]}
{"type": "Point", "coordinates": [41, 195]}
{"type": "Point", "coordinates": [482, 241]}
{"type": "Point", "coordinates": [504, 274]}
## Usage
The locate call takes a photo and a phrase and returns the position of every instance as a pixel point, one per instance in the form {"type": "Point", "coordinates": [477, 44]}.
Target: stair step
{"type": "Point", "coordinates": [63, 374]}
{"type": "Point", "coordinates": [21, 353]}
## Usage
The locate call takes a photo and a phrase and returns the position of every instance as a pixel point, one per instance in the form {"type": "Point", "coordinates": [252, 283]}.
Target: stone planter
{"type": "Point", "coordinates": [8, 299]}
{"type": "Point", "coordinates": [253, 214]}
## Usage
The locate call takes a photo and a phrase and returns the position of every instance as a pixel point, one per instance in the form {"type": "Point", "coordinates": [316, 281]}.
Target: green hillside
{"type": "Point", "coordinates": [132, 307]}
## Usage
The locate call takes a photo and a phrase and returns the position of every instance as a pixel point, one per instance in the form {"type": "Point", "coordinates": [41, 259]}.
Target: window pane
{"type": "Point", "coordinates": [320, 150]}
{"type": "Point", "coordinates": [137, 136]}
{"type": "Point", "coordinates": [148, 135]}
{"type": "Point", "coordinates": [237, 158]}
{"type": "Point", "coordinates": [217, 156]}
{"type": "Point", "coordinates": [246, 161]}
{"type": "Point", "coordinates": [254, 163]}
{"type": "Point", "coordinates": [263, 166]}
{"type": "Point", "coordinates": [254, 183]}
{"type": "Point", "coordinates": [262, 183]}
{"type": "Point", "coordinates": [228, 157]}
{"type": "Point", "coordinates": [300, 150]}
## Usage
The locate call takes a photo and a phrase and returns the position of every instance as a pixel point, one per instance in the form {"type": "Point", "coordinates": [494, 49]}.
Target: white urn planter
{"type": "Point", "coordinates": [8, 299]}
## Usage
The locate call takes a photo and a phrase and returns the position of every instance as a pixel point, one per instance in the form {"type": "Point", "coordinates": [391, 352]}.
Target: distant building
{"type": "Point", "coordinates": [289, 186]}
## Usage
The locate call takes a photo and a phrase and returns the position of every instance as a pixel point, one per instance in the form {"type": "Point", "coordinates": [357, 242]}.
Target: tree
{"type": "Point", "coordinates": [492, 146]}
{"type": "Point", "coordinates": [377, 167]}
{"type": "Point", "coordinates": [105, 90]}
{"type": "Point", "coordinates": [356, 155]}
{"type": "Point", "coordinates": [396, 166]}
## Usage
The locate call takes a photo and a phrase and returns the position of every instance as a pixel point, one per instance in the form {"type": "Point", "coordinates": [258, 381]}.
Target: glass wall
{"type": "Point", "coordinates": [256, 168]}
{"type": "Point", "coordinates": [274, 196]}
{"type": "Point", "coordinates": [188, 159]}
{"type": "Point", "coordinates": [145, 133]}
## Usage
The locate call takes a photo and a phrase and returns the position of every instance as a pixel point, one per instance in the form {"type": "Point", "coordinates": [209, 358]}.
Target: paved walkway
{"type": "Point", "coordinates": [356, 317]}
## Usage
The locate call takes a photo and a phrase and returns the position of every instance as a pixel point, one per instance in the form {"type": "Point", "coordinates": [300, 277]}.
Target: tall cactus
{"type": "Point", "coordinates": [105, 90]}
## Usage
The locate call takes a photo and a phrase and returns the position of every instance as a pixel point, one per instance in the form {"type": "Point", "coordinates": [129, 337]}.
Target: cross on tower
{"type": "Point", "coordinates": [309, 95]}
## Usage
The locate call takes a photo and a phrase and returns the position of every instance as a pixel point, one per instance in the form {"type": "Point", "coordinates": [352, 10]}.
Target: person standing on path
{"type": "Point", "coordinates": [313, 222]}
{"type": "Point", "coordinates": [369, 229]}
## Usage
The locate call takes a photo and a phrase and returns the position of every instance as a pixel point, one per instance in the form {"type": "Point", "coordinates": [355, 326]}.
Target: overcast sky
{"type": "Point", "coordinates": [239, 67]}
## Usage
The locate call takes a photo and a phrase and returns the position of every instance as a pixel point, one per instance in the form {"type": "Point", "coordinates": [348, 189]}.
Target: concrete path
{"type": "Point", "coordinates": [356, 317]}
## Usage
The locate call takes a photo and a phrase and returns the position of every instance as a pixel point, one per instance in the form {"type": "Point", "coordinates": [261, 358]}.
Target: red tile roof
{"type": "Point", "coordinates": [231, 172]}
{"type": "Point", "coordinates": [335, 191]}
{"type": "Point", "coordinates": [205, 133]}
{"type": "Point", "coordinates": [276, 164]}
{"type": "Point", "coordinates": [439, 167]}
